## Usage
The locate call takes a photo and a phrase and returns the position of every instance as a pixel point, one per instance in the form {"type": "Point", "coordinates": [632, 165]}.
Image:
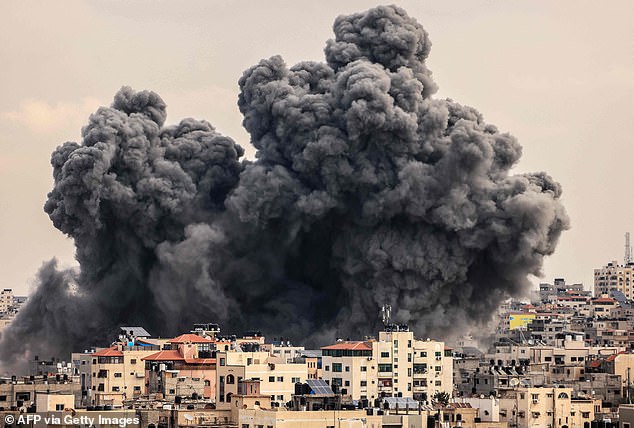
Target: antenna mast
{"type": "Point", "coordinates": [386, 311]}
{"type": "Point", "coordinates": [628, 249]}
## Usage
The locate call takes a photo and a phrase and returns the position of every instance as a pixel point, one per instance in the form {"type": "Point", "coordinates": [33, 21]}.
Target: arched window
{"type": "Point", "coordinates": [231, 379]}
{"type": "Point", "coordinates": [229, 397]}
{"type": "Point", "coordinates": [458, 417]}
{"type": "Point", "coordinates": [562, 396]}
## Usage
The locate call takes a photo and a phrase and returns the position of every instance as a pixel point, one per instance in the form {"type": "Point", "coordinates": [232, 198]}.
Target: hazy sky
{"type": "Point", "coordinates": [559, 75]}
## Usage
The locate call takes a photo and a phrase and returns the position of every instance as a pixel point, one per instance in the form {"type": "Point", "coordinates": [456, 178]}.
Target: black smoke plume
{"type": "Point", "coordinates": [366, 190]}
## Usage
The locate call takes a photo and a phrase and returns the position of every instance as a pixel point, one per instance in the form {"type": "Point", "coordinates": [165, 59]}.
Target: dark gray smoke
{"type": "Point", "coordinates": [366, 190]}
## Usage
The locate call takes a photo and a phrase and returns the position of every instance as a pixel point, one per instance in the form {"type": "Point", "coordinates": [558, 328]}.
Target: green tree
{"type": "Point", "coordinates": [441, 398]}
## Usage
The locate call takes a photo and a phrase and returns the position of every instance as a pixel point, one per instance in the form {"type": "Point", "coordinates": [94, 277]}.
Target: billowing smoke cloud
{"type": "Point", "coordinates": [366, 190]}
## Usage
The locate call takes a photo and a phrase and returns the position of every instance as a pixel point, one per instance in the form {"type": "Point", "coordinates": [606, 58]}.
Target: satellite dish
{"type": "Point", "coordinates": [188, 417]}
{"type": "Point", "coordinates": [514, 382]}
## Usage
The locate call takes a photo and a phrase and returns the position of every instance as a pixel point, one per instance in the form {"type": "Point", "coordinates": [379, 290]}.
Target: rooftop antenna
{"type": "Point", "coordinates": [386, 311]}
{"type": "Point", "coordinates": [628, 249]}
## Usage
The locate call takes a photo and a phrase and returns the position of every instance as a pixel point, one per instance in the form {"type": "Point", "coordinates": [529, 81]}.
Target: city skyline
{"type": "Point", "coordinates": [556, 76]}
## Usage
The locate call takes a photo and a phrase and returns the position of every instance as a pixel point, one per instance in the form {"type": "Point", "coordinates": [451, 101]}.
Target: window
{"type": "Point", "coordinates": [137, 388]}
{"type": "Point", "coordinates": [364, 369]}
{"type": "Point", "coordinates": [117, 375]}
{"type": "Point", "coordinates": [409, 343]}
{"type": "Point", "coordinates": [222, 361]}
{"type": "Point", "coordinates": [395, 343]}
{"type": "Point", "coordinates": [336, 367]}
{"type": "Point", "coordinates": [115, 389]}
{"type": "Point", "coordinates": [280, 398]}
{"type": "Point", "coordinates": [271, 378]}
{"type": "Point", "coordinates": [59, 407]}
{"type": "Point", "coordinates": [3, 398]}
{"type": "Point", "coordinates": [295, 380]}
{"type": "Point", "coordinates": [230, 379]}
{"type": "Point", "coordinates": [327, 368]}
{"type": "Point", "coordinates": [385, 355]}
{"type": "Point", "coordinates": [280, 378]}
{"type": "Point", "coordinates": [364, 383]}
{"type": "Point", "coordinates": [347, 383]}
{"type": "Point", "coordinates": [423, 354]}
{"type": "Point", "coordinates": [347, 368]}
{"type": "Point", "coordinates": [133, 361]}
{"type": "Point", "coordinates": [383, 368]}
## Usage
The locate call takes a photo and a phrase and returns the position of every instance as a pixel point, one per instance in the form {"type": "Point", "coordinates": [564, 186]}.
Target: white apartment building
{"type": "Point", "coordinates": [395, 365]}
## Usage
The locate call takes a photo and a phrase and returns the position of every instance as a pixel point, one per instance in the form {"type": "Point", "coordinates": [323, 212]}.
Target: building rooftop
{"type": "Point", "coordinates": [350, 346]}
{"type": "Point", "coordinates": [109, 352]}
{"type": "Point", "coordinates": [190, 338]}
{"type": "Point", "coordinates": [135, 331]}
{"type": "Point", "coordinates": [171, 355]}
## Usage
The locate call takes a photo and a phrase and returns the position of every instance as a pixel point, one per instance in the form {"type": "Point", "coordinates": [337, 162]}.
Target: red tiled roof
{"type": "Point", "coordinates": [613, 356]}
{"type": "Point", "coordinates": [350, 346]}
{"type": "Point", "coordinates": [190, 338]}
{"type": "Point", "coordinates": [170, 355]}
{"type": "Point", "coordinates": [604, 300]}
{"type": "Point", "coordinates": [109, 352]}
{"type": "Point", "coordinates": [208, 361]}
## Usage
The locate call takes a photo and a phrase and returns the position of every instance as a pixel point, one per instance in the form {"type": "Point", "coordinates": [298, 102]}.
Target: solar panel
{"type": "Point", "coordinates": [319, 386]}
{"type": "Point", "coordinates": [402, 402]}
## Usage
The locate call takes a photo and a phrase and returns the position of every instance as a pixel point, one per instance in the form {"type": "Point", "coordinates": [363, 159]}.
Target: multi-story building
{"type": "Point", "coordinates": [118, 373]}
{"type": "Point", "coordinates": [185, 369]}
{"type": "Point", "coordinates": [395, 365]}
{"type": "Point", "coordinates": [546, 407]}
{"type": "Point", "coordinates": [276, 375]}
{"type": "Point", "coordinates": [6, 300]}
{"type": "Point", "coordinates": [615, 276]}
{"type": "Point", "coordinates": [18, 393]}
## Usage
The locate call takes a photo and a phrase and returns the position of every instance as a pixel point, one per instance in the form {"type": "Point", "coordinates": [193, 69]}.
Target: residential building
{"type": "Point", "coordinates": [118, 372]}
{"type": "Point", "coordinates": [546, 407]}
{"type": "Point", "coordinates": [396, 364]}
{"type": "Point", "coordinates": [185, 368]}
{"type": "Point", "coordinates": [614, 276]}
{"type": "Point", "coordinates": [277, 376]}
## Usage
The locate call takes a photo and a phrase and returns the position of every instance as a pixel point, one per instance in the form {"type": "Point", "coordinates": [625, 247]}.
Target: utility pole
{"type": "Point", "coordinates": [629, 396]}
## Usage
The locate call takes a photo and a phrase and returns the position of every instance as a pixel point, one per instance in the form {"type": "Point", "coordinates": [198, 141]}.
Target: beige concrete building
{"type": "Point", "coordinates": [546, 407]}
{"type": "Point", "coordinates": [277, 376]}
{"type": "Point", "coordinates": [118, 373]}
{"type": "Point", "coordinates": [6, 300]}
{"type": "Point", "coordinates": [396, 364]}
{"type": "Point", "coordinates": [614, 276]}
{"type": "Point", "coordinates": [51, 402]}
{"type": "Point", "coordinates": [21, 393]}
